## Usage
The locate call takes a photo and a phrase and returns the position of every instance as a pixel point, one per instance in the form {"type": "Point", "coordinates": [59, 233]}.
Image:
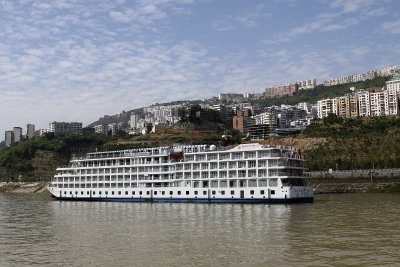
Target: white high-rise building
{"type": "Point", "coordinates": [326, 107]}
{"type": "Point", "coordinates": [134, 120]}
{"type": "Point", "coordinates": [30, 131]}
{"type": "Point", "coordinates": [17, 134]}
{"type": "Point", "coordinates": [65, 128]}
{"type": "Point", "coordinates": [364, 105]}
{"type": "Point", "coordinates": [394, 84]}
{"type": "Point", "coordinates": [9, 138]}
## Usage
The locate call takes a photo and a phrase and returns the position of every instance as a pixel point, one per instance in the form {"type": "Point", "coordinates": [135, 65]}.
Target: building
{"type": "Point", "coordinates": [113, 128]}
{"type": "Point", "coordinates": [347, 106]}
{"type": "Point", "coordinates": [326, 107]}
{"type": "Point", "coordinates": [307, 84]}
{"type": "Point", "coordinates": [30, 131]}
{"type": "Point", "coordinates": [9, 138]}
{"type": "Point", "coordinates": [394, 83]}
{"type": "Point", "coordinates": [17, 134]}
{"type": "Point", "coordinates": [377, 102]}
{"type": "Point", "coordinates": [364, 76]}
{"type": "Point", "coordinates": [231, 97]}
{"type": "Point", "coordinates": [101, 129]}
{"type": "Point", "coordinates": [59, 128]}
{"type": "Point", "coordinates": [364, 106]}
{"type": "Point", "coordinates": [281, 90]}
{"type": "Point", "coordinates": [134, 121]}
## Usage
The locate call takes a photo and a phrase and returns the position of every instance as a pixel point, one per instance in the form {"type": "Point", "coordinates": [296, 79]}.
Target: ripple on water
{"type": "Point", "coordinates": [336, 230]}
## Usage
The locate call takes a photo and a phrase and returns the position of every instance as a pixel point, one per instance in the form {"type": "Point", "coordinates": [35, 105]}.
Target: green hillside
{"type": "Point", "coordinates": [359, 143]}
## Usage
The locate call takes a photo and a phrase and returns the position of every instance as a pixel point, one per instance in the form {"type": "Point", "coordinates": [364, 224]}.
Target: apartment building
{"type": "Point", "coordinates": [59, 128]}
{"type": "Point", "coordinates": [30, 131]}
{"type": "Point", "coordinates": [281, 90]}
{"type": "Point", "coordinates": [326, 107]}
{"type": "Point", "coordinates": [9, 138]}
{"type": "Point", "coordinates": [102, 129]}
{"type": "Point", "coordinates": [347, 106]}
{"type": "Point", "coordinates": [394, 83]}
{"type": "Point", "coordinates": [17, 134]}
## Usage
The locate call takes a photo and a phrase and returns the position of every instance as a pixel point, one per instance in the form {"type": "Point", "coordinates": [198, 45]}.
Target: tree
{"type": "Point", "coordinates": [182, 113]}
{"type": "Point", "coordinates": [149, 127]}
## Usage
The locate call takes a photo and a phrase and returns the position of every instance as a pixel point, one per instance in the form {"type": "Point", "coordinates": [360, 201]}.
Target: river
{"type": "Point", "coordinates": [336, 230]}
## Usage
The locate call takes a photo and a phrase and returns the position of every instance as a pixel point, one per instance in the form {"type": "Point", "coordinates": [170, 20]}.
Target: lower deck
{"type": "Point", "coordinates": [168, 194]}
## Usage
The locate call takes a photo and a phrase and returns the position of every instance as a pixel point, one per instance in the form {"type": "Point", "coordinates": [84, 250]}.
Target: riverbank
{"type": "Point", "coordinates": [20, 187]}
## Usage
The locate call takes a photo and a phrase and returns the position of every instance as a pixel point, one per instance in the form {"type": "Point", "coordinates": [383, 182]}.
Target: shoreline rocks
{"type": "Point", "coordinates": [22, 187]}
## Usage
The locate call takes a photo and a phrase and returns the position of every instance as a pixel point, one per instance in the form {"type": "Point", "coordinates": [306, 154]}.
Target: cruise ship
{"type": "Point", "coordinates": [247, 173]}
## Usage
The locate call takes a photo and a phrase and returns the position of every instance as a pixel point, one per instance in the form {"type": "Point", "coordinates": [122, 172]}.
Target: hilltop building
{"type": "Point", "coordinates": [30, 131]}
{"type": "Point", "coordinates": [59, 128]}
{"type": "Point", "coordinates": [363, 103]}
{"type": "Point", "coordinates": [9, 138]}
{"type": "Point", "coordinates": [17, 134]}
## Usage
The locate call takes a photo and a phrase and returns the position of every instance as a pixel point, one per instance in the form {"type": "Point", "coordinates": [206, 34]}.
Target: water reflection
{"type": "Point", "coordinates": [335, 230]}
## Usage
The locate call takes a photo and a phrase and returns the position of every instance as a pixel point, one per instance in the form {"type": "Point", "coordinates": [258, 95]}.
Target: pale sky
{"type": "Point", "coordinates": [74, 60]}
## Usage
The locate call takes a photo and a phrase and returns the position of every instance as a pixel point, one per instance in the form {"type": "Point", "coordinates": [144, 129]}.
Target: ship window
{"type": "Point", "coordinates": [272, 192]}
{"type": "Point", "coordinates": [204, 192]}
{"type": "Point", "coordinates": [148, 193]}
{"type": "Point", "coordinates": [112, 192]}
{"type": "Point", "coordinates": [106, 192]}
{"type": "Point", "coordinates": [140, 192]}
{"type": "Point", "coordinates": [100, 193]}
{"type": "Point", "coordinates": [196, 192]}
{"type": "Point", "coordinates": [187, 192]}
{"type": "Point", "coordinates": [273, 182]}
{"type": "Point", "coordinates": [87, 193]}
{"type": "Point", "coordinates": [222, 192]}
{"type": "Point", "coordinates": [232, 192]}
{"type": "Point", "coordinates": [262, 192]}
{"type": "Point", "coordinates": [213, 192]}
{"type": "Point", "coordinates": [252, 183]}
{"type": "Point", "coordinates": [76, 192]}
{"type": "Point", "coordinates": [251, 192]}
{"type": "Point", "coordinates": [119, 192]}
{"type": "Point", "coordinates": [179, 192]}
{"type": "Point", "coordinates": [262, 183]}
{"type": "Point", "coordinates": [94, 192]}
{"type": "Point", "coordinates": [133, 193]}
{"type": "Point", "coordinates": [65, 192]}
{"type": "Point", "coordinates": [170, 192]}
{"type": "Point", "coordinates": [155, 192]}
{"type": "Point", "coordinates": [162, 192]}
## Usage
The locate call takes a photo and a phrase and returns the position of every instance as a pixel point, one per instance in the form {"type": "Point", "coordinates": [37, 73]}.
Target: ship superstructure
{"type": "Point", "coordinates": [247, 173]}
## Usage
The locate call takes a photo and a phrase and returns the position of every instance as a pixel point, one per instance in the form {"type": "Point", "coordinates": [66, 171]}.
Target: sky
{"type": "Point", "coordinates": [74, 60]}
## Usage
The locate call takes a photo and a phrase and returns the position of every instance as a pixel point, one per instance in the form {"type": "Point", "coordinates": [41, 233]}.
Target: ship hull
{"type": "Point", "coordinates": [196, 200]}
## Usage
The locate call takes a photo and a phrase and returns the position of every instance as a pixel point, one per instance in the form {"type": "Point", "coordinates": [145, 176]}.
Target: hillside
{"type": "Point", "coordinates": [359, 143]}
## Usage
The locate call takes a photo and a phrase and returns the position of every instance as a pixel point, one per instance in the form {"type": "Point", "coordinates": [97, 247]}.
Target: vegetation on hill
{"type": "Point", "coordinates": [359, 143]}
{"type": "Point", "coordinates": [22, 158]}
{"type": "Point", "coordinates": [321, 92]}
{"type": "Point", "coordinates": [38, 159]}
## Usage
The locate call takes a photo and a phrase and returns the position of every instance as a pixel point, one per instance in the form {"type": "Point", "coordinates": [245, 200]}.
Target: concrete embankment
{"type": "Point", "coordinates": [354, 185]}
{"type": "Point", "coordinates": [19, 187]}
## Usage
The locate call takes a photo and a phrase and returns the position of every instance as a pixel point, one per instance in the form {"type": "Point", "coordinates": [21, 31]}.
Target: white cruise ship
{"type": "Point", "coordinates": [247, 173]}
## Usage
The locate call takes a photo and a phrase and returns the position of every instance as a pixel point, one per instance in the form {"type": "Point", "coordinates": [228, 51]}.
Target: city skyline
{"type": "Point", "coordinates": [76, 61]}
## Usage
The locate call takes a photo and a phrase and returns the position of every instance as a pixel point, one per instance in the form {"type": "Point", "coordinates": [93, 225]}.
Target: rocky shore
{"type": "Point", "coordinates": [20, 187]}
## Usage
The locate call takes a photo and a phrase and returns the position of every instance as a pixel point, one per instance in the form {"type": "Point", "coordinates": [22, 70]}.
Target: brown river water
{"type": "Point", "coordinates": [335, 230]}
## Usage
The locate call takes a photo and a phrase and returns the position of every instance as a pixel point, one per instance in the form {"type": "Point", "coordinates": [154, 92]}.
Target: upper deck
{"type": "Point", "coordinates": [276, 151]}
